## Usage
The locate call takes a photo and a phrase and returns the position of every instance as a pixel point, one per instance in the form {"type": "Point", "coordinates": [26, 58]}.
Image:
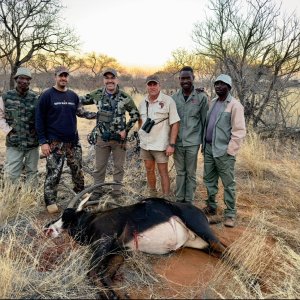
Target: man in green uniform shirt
{"type": "Point", "coordinates": [192, 106]}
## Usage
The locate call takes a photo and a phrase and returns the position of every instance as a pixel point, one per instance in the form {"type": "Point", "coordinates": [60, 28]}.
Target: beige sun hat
{"type": "Point", "coordinates": [224, 78]}
{"type": "Point", "coordinates": [23, 72]}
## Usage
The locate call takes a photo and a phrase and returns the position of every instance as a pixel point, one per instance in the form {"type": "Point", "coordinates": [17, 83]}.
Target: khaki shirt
{"type": "Point", "coordinates": [162, 108]}
{"type": "Point", "coordinates": [192, 113]}
{"type": "Point", "coordinates": [230, 127]}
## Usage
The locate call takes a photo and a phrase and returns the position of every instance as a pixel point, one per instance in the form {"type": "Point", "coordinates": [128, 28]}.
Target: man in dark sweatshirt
{"type": "Point", "coordinates": [56, 127]}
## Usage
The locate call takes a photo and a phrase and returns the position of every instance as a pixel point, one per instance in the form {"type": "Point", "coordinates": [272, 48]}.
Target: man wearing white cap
{"type": "Point", "coordinates": [224, 132]}
{"type": "Point", "coordinates": [17, 115]}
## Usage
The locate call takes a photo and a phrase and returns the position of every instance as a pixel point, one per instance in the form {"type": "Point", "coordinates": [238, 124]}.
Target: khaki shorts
{"type": "Point", "coordinates": [159, 156]}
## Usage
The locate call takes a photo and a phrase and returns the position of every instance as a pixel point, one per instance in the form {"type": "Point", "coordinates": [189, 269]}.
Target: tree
{"type": "Point", "coordinates": [250, 41]}
{"type": "Point", "coordinates": [47, 63]}
{"type": "Point", "coordinates": [203, 66]}
{"type": "Point", "coordinates": [182, 57]}
{"type": "Point", "coordinates": [96, 63]}
{"type": "Point", "coordinates": [28, 27]}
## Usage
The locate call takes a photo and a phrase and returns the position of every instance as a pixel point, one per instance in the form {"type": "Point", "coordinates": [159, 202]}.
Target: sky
{"type": "Point", "coordinates": [139, 32]}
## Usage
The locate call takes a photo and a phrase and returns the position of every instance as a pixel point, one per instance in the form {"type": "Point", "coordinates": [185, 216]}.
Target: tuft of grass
{"type": "Point", "coordinates": [17, 198]}
{"type": "Point", "coordinates": [35, 267]}
{"type": "Point", "coordinates": [257, 266]}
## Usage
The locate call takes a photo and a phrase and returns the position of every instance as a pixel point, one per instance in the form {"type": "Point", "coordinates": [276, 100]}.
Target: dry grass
{"type": "Point", "coordinates": [263, 262]}
{"type": "Point", "coordinates": [258, 266]}
{"type": "Point", "coordinates": [34, 267]}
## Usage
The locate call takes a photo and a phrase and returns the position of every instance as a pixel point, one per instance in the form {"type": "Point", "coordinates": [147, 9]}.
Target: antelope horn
{"type": "Point", "coordinates": [88, 190]}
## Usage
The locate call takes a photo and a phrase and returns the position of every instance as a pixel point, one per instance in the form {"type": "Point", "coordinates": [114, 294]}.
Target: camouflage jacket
{"type": "Point", "coordinates": [19, 113]}
{"type": "Point", "coordinates": [115, 107]}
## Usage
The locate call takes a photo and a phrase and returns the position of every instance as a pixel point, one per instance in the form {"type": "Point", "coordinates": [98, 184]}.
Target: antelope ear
{"type": "Point", "coordinates": [83, 201]}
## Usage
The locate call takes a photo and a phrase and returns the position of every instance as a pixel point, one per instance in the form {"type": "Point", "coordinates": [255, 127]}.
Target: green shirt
{"type": "Point", "coordinates": [192, 113]}
{"type": "Point", "coordinates": [20, 115]}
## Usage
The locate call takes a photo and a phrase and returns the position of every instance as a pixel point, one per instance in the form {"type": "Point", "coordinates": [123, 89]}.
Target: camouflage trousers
{"type": "Point", "coordinates": [54, 167]}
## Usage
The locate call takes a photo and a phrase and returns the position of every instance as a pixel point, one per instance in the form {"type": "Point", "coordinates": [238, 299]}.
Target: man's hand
{"type": "Point", "coordinates": [123, 134]}
{"type": "Point", "coordinates": [46, 149]}
{"type": "Point", "coordinates": [170, 150]}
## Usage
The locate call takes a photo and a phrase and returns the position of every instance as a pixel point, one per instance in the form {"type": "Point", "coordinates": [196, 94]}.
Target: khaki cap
{"type": "Point", "coordinates": [224, 78]}
{"type": "Point", "coordinates": [23, 72]}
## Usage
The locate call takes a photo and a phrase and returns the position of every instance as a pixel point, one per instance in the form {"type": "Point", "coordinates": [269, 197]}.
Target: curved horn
{"type": "Point", "coordinates": [87, 190]}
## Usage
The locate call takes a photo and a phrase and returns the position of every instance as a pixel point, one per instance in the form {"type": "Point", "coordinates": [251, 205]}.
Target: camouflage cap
{"type": "Point", "coordinates": [153, 78]}
{"type": "Point", "coordinates": [23, 72]}
{"type": "Point", "coordinates": [61, 69]}
{"type": "Point", "coordinates": [111, 71]}
{"type": "Point", "coordinates": [224, 78]}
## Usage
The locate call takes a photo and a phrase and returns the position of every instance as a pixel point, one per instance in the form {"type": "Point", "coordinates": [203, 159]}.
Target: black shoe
{"type": "Point", "coordinates": [96, 196]}
{"type": "Point", "coordinates": [116, 194]}
{"type": "Point", "coordinates": [209, 211]}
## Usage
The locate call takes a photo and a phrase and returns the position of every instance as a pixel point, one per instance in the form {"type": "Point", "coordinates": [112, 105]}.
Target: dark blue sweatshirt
{"type": "Point", "coordinates": [56, 116]}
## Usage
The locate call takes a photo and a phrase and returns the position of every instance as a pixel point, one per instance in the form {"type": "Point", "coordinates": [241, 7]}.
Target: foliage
{"type": "Point", "coordinates": [29, 26]}
{"type": "Point", "coordinates": [259, 49]}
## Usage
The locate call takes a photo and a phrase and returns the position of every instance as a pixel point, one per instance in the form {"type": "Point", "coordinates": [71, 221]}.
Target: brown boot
{"type": "Point", "coordinates": [229, 222]}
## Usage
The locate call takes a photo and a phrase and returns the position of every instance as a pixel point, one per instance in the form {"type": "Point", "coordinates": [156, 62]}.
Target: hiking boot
{"type": "Point", "coordinates": [96, 196]}
{"type": "Point", "coordinates": [52, 208]}
{"type": "Point", "coordinates": [209, 211]}
{"type": "Point", "coordinates": [229, 221]}
{"type": "Point", "coordinates": [116, 194]}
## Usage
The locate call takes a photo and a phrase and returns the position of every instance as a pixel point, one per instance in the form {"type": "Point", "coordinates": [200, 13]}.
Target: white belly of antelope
{"type": "Point", "coordinates": [166, 237]}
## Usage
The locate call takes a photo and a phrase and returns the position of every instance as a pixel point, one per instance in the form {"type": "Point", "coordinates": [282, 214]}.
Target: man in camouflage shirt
{"type": "Point", "coordinates": [112, 104]}
{"type": "Point", "coordinates": [17, 115]}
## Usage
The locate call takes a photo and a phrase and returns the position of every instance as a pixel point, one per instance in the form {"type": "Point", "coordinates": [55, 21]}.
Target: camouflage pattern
{"type": "Point", "coordinates": [55, 163]}
{"type": "Point", "coordinates": [20, 115]}
{"type": "Point", "coordinates": [124, 103]}
{"type": "Point", "coordinates": [82, 113]}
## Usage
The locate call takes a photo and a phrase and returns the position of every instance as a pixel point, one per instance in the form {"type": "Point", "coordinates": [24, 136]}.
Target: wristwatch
{"type": "Point", "coordinates": [172, 145]}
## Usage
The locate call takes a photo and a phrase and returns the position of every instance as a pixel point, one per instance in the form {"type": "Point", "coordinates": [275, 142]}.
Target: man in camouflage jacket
{"type": "Point", "coordinates": [112, 104]}
{"type": "Point", "coordinates": [17, 115]}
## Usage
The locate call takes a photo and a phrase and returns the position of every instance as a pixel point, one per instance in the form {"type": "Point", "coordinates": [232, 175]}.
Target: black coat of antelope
{"type": "Point", "coordinates": [153, 225]}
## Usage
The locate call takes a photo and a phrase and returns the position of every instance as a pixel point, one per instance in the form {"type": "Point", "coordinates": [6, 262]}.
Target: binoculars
{"type": "Point", "coordinates": [148, 125]}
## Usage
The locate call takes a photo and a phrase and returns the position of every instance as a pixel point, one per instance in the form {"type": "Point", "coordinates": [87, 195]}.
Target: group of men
{"type": "Point", "coordinates": [176, 125]}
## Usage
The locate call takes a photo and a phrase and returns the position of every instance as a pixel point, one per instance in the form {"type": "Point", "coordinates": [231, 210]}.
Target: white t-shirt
{"type": "Point", "coordinates": [164, 107]}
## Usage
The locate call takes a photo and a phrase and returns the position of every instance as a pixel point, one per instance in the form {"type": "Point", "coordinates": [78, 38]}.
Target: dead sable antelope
{"type": "Point", "coordinates": [153, 225]}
